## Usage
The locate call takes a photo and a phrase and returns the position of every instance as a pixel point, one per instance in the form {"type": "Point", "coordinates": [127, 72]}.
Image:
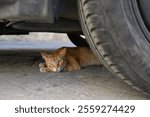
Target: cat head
{"type": "Point", "coordinates": [55, 61]}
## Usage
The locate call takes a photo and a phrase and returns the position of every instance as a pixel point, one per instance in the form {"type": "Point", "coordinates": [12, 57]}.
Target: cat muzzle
{"type": "Point", "coordinates": [61, 70]}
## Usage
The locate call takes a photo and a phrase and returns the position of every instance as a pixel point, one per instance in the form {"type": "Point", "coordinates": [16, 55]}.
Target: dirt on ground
{"type": "Point", "coordinates": [20, 78]}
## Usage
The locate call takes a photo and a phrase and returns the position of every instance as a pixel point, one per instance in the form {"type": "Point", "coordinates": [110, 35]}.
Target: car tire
{"type": "Point", "coordinates": [116, 33]}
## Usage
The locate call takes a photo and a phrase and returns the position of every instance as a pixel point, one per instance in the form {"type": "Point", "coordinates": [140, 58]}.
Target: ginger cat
{"type": "Point", "coordinates": [68, 59]}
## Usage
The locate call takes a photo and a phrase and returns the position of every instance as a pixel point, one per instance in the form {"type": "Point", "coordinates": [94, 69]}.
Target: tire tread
{"type": "Point", "coordinates": [105, 54]}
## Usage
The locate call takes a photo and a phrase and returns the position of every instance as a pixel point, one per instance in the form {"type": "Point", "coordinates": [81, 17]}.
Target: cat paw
{"type": "Point", "coordinates": [43, 70]}
{"type": "Point", "coordinates": [41, 65]}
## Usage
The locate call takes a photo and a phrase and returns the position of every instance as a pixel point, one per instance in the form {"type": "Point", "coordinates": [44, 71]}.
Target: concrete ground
{"type": "Point", "coordinates": [20, 77]}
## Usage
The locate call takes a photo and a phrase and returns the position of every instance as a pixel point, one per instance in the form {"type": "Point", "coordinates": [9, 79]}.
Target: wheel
{"type": "Point", "coordinates": [117, 34]}
{"type": "Point", "coordinates": [78, 40]}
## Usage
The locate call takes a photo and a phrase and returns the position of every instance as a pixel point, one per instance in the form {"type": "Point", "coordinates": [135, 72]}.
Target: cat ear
{"type": "Point", "coordinates": [63, 51]}
{"type": "Point", "coordinates": [44, 54]}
